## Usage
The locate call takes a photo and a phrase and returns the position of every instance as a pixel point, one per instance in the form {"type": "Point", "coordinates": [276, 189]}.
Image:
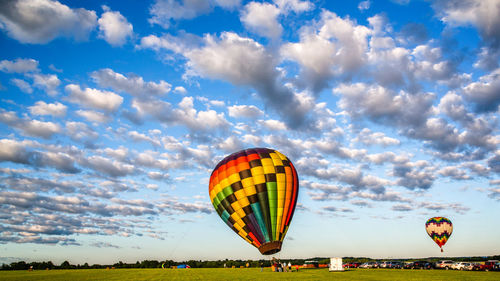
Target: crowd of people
{"type": "Point", "coordinates": [278, 266]}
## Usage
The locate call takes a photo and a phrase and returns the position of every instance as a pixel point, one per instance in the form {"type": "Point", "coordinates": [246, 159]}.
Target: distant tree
{"type": "Point", "coordinates": [65, 265]}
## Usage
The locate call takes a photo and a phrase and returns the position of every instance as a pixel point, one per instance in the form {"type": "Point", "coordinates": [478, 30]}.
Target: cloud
{"type": "Point", "coordinates": [454, 172]}
{"type": "Point", "coordinates": [104, 245]}
{"type": "Point", "coordinates": [47, 82]}
{"type": "Point", "coordinates": [22, 85]}
{"type": "Point", "coordinates": [42, 21]}
{"type": "Point", "coordinates": [137, 137]}
{"type": "Point", "coordinates": [478, 13]}
{"type": "Point", "coordinates": [414, 175]}
{"type": "Point", "coordinates": [485, 93]}
{"type": "Point", "coordinates": [381, 104]}
{"type": "Point", "coordinates": [364, 5]}
{"type": "Point", "coordinates": [322, 50]}
{"type": "Point", "coordinates": [247, 111]}
{"type": "Point", "coordinates": [29, 127]}
{"type": "Point", "coordinates": [133, 84]}
{"type": "Point", "coordinates": [94, 98]}
{"type": "Point", "coordinates": [94, 116]}
{"type": "Point", "coordinates": [367, 137]}
{"type": "Point", "coordinates": [41, 108]}
{"type": "Point", "coordinates": [79, 131]}
{"type": "Point", "coordinates": [165, 11]}
{"type": "Point", "coordinates": [402, 208]}
{"type": "Point", "coordinates": [19, 66]}
{"type": "Point", "coordinates": [14, 151]}
{"type": "Point", "coordinates": [243, 61]}
{"type": "Point", "coordinates": [261, 18]}
{"type": "Point", "coordinates": [114, 27]}
{"type": "Point", "coordinates": [108, 167]}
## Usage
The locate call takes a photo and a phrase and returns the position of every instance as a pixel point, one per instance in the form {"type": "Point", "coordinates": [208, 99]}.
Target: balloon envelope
{"type": "Point", "coordinates": [439, 229]}
{"type": "Point", "coordinates": [255, 192]}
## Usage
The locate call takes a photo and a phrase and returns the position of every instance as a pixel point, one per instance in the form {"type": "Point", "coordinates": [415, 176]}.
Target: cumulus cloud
{"type": "Point", "coordinates": [414, 175]}
{"type": "Point", "coordinates": [133, 84]}
{"type": "Point", "coordinates": [261, 18]}
{"type": "Point", "coordinates": [243, 61]}
{"type": "Point", "coordinates": [94, 98]}
{"type": "Point", "coordinates": [485, 93]}
{"type": "Point", "coordinates": [367, 137]}
{"type": "Point", "coordinates": [19, 66]}
{"type": "Point", "coordinates": [165, 11]}
{"type": "Point", "coordinates": [114, 27]}
{"type": "Point", "coordinates": [47, 82]}
{"type": "Point", "coordinates": [336, 46]}
{"type": "Point", "coordinates": [481, 14]}
{"type": "Point", "coordinates": [29, 127]}
{"type": "Point", "coordinates": [42, 21]}
{"type": "Point", "coordinates": [93, 116]}
{"type": "Point", "coordinates": [42, 108]}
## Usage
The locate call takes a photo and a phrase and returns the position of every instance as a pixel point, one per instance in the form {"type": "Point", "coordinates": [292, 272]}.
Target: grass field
{"type": "Point", "coordinates": [246, 274]}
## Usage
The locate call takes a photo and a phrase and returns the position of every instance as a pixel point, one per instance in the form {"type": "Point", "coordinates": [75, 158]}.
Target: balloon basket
{"type": "Point", "coordinates": [270, 248]}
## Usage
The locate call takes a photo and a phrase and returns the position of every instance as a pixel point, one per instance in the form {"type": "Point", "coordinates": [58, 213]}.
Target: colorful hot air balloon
{"type": "Point", "coordinates": [439, 229]}
{"type": "Point", "coordinates": [255, 192]}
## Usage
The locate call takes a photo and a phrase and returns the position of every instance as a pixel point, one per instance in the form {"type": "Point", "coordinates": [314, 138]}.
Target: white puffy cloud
{"type": "Point", "coordinates": [485, 93]}
{"type": "Point", "coordinates": [334, 46]}
{"type": "Point", "coordinates": [93, 116]}
{"type": "Point", "coordinates": [248, 111]}
{"type": "Point", "coordinates": [243, 61]}
{"type": "Point", "coordinates": [80, 131]}
{"type": "Point", "coordinates": [133, 84]}
{"type": "Point", "coordinates": [29, 127]}
{"type": "Point", "coordinates": [47, 82]}
{"type": "Point", "coordinates": [165, 11]}
{"type": "Point", "coordinates": [367, 137]}
{"type": "Point", "coordinates": [41, 21]}
{"type": "Point", "coordinates": [94, 98]}
{"type": "Point", "coordinates": [114, 27]}
{"type": "Point", "coordinates": [19, 66]}
{"type": "Point", "coordinates": [479, 13]}
{"type": "Point", "coordinates": [262, 18]}
{"type": "Point", "coordinates": [43, 108]}
{"type": "Point", "coordinates": [273, 125]}
{"type": "Point", "coordinates": [296, 6]}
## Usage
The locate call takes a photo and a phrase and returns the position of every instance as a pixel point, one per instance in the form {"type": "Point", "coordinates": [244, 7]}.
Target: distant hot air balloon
{"type": "Point", "coordinates": [439, 229]}
{"type": "Point", "coordinates": [255, 192]}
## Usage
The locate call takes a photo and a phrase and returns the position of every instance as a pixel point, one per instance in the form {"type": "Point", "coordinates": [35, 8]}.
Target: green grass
{"type": "Point", "coordinates": [246, 274]}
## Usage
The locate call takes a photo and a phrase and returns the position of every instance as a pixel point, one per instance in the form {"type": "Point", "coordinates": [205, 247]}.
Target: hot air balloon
{"type": "Point", "coordinates": [439, 229]}
{"type": "Point", "coordinates": [255, 192]}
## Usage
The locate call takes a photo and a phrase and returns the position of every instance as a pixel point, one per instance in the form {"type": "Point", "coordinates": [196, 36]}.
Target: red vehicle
{"type": "Point", "coordinates": [488, 265]}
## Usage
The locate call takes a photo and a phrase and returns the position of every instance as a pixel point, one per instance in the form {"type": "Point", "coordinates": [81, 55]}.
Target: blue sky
{"type": "Point", "coordinates": [113, 115]}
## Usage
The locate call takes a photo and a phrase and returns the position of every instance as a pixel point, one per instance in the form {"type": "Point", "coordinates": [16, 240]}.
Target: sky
{"type": "Point", "coordinates": [113, 114]}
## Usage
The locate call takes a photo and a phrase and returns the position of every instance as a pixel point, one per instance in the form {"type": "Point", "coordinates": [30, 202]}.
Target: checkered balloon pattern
{"type": "Point", "coordinates": [439, 229]}
{"type": "Point", "coordinates": [255, 192]}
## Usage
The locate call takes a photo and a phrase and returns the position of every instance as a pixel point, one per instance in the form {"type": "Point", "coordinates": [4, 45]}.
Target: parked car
{"type": "Point", "coordinates": [371, 264]}
{"type": "Point", "coordinates": [383, 264]}
{"type": "Point", "coordinates": [408, 264]}
{"type": "Point", "coordinates": [468, 266]}
{"type": "Point", "coordinates": [394, 264]}
{"type": "Point", "coordinates": [458, 265]}
{"type": "Point", "coordinates": [421, 265]}
{"type": "Point", "coordinates": [444, 264]}
{"type": "Point", "coordinates": [497, 266]}
{"type": "Point", "coordinates": [488, 265]}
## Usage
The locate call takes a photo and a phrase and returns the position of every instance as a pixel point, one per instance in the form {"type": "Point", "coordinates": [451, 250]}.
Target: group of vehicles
{"type": "Point", "coordinates": [491, 265]}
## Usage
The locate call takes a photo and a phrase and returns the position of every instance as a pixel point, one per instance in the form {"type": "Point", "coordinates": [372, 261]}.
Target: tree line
{"type": "Point", "coordinates": [22, 265]}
